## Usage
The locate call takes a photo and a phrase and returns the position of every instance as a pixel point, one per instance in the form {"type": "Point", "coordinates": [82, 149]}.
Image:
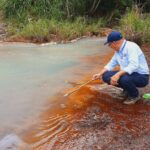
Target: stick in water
{"type": "Point", "coordinates": [67, 94]}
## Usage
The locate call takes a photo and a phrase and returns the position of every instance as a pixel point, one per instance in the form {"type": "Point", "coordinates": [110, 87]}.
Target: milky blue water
{"type": "Point", "coordinates": [30, 74]}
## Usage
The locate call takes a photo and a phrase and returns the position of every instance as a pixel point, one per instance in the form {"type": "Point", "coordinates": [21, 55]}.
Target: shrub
{"type": "Point", "coordinates": [135, 26]}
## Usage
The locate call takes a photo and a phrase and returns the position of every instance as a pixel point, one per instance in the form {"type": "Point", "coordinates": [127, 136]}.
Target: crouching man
{"type": "Point", "coordinates": [134, 71]}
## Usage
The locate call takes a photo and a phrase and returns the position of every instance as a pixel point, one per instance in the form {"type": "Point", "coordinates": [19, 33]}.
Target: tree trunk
{"type": "Point", "coordinates": [67, 7]}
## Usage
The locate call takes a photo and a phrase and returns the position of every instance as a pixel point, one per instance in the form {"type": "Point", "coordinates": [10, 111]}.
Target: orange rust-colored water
{"type": "Point", "coordinates": [59, 126]}
{"type": "Point", "coordinates": [89, 119]}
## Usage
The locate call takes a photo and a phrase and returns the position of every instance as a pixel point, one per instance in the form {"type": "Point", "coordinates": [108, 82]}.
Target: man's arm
{"type": "Point", "coordinates": [112, 63]}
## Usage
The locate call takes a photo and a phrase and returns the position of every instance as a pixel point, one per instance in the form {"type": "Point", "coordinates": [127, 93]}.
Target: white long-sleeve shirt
{"type": "Point", "coordinates": [130, 58]}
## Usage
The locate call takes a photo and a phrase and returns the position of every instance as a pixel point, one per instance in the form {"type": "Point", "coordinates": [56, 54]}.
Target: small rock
{"type": "Point", "coordinates": [146, 102]}
{"type": "Point", "coordinates": [62, 105]}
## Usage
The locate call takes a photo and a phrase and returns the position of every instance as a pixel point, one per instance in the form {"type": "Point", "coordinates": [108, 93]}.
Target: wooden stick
{"type": "Point", "coordinates": [67, 94]}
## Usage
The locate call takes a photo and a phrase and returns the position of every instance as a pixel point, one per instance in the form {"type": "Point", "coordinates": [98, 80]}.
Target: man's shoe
{"type": "Point", "coordinates": [131, 100]}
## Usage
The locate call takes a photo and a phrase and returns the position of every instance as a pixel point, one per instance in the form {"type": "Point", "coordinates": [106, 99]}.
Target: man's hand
{"type": "Point", "coordinates": [96, 76]}
{"type": "Point", "coordinates": [114, 79]}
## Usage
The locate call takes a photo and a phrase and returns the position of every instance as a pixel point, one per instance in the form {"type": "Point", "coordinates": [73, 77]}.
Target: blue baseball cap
{"type": "Point", "coordinates": [113, 36]}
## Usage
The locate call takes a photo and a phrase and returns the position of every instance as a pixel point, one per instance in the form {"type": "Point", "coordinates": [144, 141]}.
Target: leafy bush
{"type": "Point", "coordinates": [63, 9]}
{"type": "Point", "coordinates": [57, 9]}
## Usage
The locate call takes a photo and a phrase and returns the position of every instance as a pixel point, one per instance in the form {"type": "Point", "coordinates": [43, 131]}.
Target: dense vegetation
{"type": "Point", "coordinates": [136, 26]}
{"type": "Point", "coordinates": [44, 20]}
{"type": "Point", "coordinates": [62, 9]}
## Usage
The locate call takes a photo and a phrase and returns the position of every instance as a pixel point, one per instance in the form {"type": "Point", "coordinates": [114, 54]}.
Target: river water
{"type": "Point", "coordinates": [31, 74]}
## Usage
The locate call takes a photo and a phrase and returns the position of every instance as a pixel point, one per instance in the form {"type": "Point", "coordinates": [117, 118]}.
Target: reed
{"type": "Point", "coordinates": [44, 30]}
{"type": "Point", "coordinates": [136, 26]}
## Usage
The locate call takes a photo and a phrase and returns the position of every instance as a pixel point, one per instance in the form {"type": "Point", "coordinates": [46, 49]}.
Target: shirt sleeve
{"type": "Point", "coordinates": [133, 61]}
{"type": "Point", "coordinates": [112, 63]}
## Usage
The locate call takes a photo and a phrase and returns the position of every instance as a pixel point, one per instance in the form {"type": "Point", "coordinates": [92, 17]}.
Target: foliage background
{"type": "Point", "coordinates": [42, 19]}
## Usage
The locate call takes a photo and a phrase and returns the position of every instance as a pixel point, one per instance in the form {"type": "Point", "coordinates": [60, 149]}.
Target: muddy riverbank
{"type": "Point", "coordinates": [93, 118]}
{"type": "Point", "coordinates": [53, 38]}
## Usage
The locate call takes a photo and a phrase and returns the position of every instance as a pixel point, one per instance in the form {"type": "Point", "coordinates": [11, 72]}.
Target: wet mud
{"type": "Point", "coordinates": [94, 118]}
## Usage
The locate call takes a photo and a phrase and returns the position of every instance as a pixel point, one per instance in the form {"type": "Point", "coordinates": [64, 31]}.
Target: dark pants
{"type": "Point", "coordinates": [128, 82]}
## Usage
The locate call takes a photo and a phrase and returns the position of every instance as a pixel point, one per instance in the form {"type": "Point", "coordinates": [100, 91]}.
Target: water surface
{"type": "Point", "coordinates": [30, 74]}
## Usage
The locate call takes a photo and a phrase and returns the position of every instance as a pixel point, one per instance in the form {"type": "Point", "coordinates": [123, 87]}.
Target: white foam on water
{"type": "Point", "coordinates": [11, 142]}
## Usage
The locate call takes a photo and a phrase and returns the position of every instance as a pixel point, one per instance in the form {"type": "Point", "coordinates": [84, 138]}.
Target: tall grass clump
{"type": "Point", "coordinates": [80, 27]}
{"type": "Point", "coordinates": [135, 26]}
{"type": "Point", "coordinates": [44, 30]}
{"type": "Point", "coordinates": [36, 30]}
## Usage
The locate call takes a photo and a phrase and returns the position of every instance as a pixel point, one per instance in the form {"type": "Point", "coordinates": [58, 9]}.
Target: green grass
{"type": "Point", "coordinates": [136, 26]}
{"type": "Point", "coordinates": [44, 30]}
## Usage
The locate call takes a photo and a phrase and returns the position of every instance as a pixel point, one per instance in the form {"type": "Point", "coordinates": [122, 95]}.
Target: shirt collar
{"type": "Point", "coordinates": [122, 46]}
